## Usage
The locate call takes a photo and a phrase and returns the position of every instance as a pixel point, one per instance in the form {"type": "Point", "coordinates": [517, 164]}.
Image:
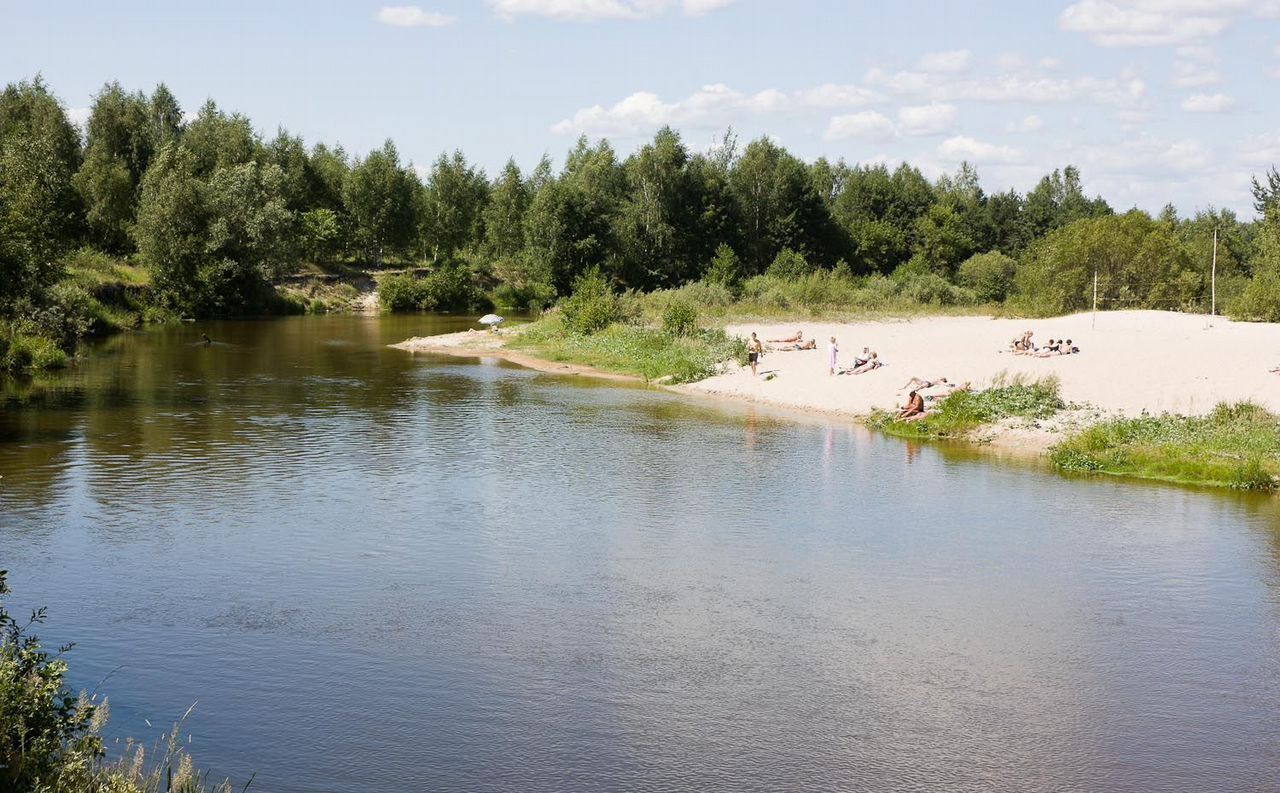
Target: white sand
{"type": "Point", "coordinates": [1131, 361]}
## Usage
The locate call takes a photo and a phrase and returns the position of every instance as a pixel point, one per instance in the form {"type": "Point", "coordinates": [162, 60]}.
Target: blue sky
{"type": "Point", "coordinates": [1155, 100]}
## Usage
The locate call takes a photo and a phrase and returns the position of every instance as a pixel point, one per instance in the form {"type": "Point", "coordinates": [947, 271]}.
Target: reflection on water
{"type": "Point", "coordinates": [379, 572]}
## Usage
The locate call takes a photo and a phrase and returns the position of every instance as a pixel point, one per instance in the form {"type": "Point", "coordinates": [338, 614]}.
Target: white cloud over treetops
{"type": "Point", "coordinates": [591, 10]}
{"type": "Point", "coordinates": [413, 17]}
{"type": "Point", "coordinates": [1208, 103]}
{"type": "Point", "coordinates": [1150, 23]}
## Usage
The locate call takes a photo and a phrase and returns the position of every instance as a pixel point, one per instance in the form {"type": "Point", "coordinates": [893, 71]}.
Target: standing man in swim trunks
{"type": "Point", "coordinates": [754, 348]}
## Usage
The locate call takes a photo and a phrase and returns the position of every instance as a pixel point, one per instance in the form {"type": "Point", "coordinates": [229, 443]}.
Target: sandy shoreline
{"type": "Point", "coordinates": [1130, 362]}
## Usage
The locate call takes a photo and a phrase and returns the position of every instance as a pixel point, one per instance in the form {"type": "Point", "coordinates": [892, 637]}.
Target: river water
{"type": "Point", "coordinates": [372, 571]}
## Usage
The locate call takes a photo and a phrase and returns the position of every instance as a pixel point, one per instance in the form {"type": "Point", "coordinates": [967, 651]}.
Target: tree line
{"type": "Point", "coordinates": [216, 212]}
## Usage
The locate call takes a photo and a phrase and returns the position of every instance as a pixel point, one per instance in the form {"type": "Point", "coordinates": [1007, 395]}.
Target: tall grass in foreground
{"type": "Point", "coordinates": [964, 411]}
{"type": "Point", "coordinates": [1237, 445]}
{"type": "Point", "coordinates": [51, 739]}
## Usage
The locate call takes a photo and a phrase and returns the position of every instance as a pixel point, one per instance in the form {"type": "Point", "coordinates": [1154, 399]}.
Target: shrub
{"type": "Point", "coordinates": [399, 293]}
{"type": "Point", "coordinates": [680, 318]}
{"type": "Point", "coordinates": [789, 264]}
{"type": "Point", "coordinates": [725, 269]}
{"type": "Point", "coordinates": [45, 730]}
{"type": "Point", "coordinates": [531, 296]}
{"type": "Point", "coordinates": [989, 275]}
{"type": "Point", "coordinates": [593, 305]}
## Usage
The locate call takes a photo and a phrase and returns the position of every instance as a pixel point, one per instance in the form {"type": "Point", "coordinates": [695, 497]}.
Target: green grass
{"type": "Point", "coordinates": [965, 411]}
{"type": "Point", "coordinates": [632, 349]}
{"type": "Point", "coordinates": [1236, 446]}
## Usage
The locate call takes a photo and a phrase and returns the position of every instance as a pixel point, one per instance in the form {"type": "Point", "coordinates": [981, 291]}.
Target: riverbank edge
{"type": "Point", "coordinates": [1030, 441]}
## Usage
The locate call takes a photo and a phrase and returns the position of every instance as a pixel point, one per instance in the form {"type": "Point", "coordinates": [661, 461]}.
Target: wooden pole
{"type": "Point", "coordinates": [1095, 299]}
{"type": "Point", "coordinates": [1213, 277]}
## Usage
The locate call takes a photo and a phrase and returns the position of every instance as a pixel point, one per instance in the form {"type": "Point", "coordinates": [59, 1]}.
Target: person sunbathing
{"type": "Point", "coordinates": [921, 383]}
{"type": "Point", "coordinates": [799, 336]}
{"type": "Point", "coordinates": [811, 344]}
{"type": "Point", "coordinates": [914, 410]}
{"type": "Point", "coordinates": [1054, 348]}
{"type": "Point", "coordinates": [1024, 345]}
{"type": "Point", "coordinates": [871, 363]}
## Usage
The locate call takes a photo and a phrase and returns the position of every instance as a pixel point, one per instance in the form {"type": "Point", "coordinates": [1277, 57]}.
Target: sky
{"type": "Point", "coordinates": [1155, 101]}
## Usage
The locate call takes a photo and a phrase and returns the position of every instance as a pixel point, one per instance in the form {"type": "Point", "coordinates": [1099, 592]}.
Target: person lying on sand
{"type": "Point", "coordinates": [952, 389]}
{"type": "Point", "coordinates": [811, 344]}
{"type": "Point", "coordinates": [872, 363]}
{"type": "Point", "coordinates": [915, 408]}
{"type": "Point", "coordinates": [921, 383]}
{"type": "Point", "coordinates": [1049, 350]}
{"type": "Point", "coordinates": [798, 336]}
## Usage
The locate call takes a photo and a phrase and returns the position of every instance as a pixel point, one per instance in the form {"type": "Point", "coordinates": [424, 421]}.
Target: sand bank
{"type": "Point", "coordinates": [1130, 361]}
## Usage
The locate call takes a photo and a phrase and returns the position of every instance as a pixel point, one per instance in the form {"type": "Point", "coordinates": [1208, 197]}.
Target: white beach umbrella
{"type": "Point", "coordinates": [492, 320]}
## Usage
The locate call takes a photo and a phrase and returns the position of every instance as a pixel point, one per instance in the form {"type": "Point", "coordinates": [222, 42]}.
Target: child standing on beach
{"type": "Point", "coordinates": [832, 352]}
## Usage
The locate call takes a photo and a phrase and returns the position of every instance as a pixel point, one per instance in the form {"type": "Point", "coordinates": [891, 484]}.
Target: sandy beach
{"type": "Point", "coordinates": [1131, 361]}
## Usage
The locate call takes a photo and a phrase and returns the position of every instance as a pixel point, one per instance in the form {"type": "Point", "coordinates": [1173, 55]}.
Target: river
{"type": "Point", "coordinates": [371, 571]}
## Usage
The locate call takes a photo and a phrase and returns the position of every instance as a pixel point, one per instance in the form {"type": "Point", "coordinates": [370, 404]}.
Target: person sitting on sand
{"type": "Point", "coordinates": [921, 383]}
{"type": "Point", "coordinates": [860, 358]}
{"type": "Point", "coordinates": [871, 363]}
{"type": "Point", "coordinates": [1025, 346]}
{"type": "Point", "coordinates": [798, 336]}
{"type": "Point", "coordinates": [1070, 348]}
{"type": "Point", "coordinates": [915, 408]}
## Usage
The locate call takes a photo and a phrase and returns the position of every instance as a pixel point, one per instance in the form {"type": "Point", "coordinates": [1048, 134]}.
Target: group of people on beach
{"type": "Point", "coordinates": [919, 404]}
{"type": "Point", "coordinates": [1024, 345]}
{"type": "Point", "coordinates": [866, 361]}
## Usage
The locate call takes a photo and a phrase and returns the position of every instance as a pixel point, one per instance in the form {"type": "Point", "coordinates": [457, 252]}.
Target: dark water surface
{"type": "Point", "coordinates": [380, 572]}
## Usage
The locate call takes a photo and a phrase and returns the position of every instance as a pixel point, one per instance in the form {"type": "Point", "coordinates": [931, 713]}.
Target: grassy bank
{"type": "Point", "coordinates": [633, 349]}
{"type": "Point", "coordinates": [962, 412]}
{"type": "Point", "coordinates": [1236, 446]}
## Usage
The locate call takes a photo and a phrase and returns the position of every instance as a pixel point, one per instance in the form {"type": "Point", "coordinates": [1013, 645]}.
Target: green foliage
{"type": "Point", "coordinates": [47, 734]}
{"type": "Point", "coordinates": [989, 275]}
{"type": "Point", "coordinates": [453, 205]}
{"type": "Point", "coordinates": [965, 411]}
{"type": "Point", "coordinates": [680, 318]}
{"type": "Point", "coordinates": [381, 198]}
{"type": "Point", "coordinates": [1138, 261]}
{"type": "Point", "coordinates": [1260, 298]}
{"type": "Point", "coordinates": [725, 269]}
{"type": "Point", "coordinates": [321, 233]}
{"type": "Point", "coordinates": [633, 349]}
{"type": "Point", "coordinates": [448, 287]}
{"type": "Point", "coordinates": [593, 305]}
{"type": "Point", "coordinates": [789, 264]}
{"type": "Point", "coordinates": [1237, 446]}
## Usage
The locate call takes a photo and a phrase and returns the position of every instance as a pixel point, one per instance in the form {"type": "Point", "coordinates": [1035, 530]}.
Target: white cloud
{"type": "Point", "coordinates": [79, 116]}
{"type": "Point", "coordinates": [1020, 87]}
{"type": "Point", "coordinates": [1261, 150]}
{"type": "Point", "coordinates": [1187, 74]}
{"type": "Point", "coordinates": [949, 62]}
{"type": "Point", "coordinates": [712, 105]}
{"type": "Point", "coordinates": [1010, 61]}
{"type": "Point", "coordinates": [831, 95]}
{"type": "Point", "coordinates": [698, 8]}
{"type": "Point", "coordinates": [1147, 23]}
{"type": "Point", "coordinates": [1198, 53]}
{"type": "Point", "coordinates": [1207, 103]}
{"type": "Point", "coordinates": [588, 10]}
{"type": "Point", "coordinates": [413, 17]}
{"type": "Point", "coordinates": [868, 124]}
{"type": "Point", "coordinates": [1031, 123]}
{"type": "Point", "coordinates": [965, 148]}
{"type": "Point", "coordinates": [930, 119]}
{"type": "Point", "coordinates": [1147, 155]}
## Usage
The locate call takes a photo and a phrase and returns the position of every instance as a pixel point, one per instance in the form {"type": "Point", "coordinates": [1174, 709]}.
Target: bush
{"type": "Point", "coordinates": [593, 305]}
{"type": "Point", "coordinates": [399, 293]}
{"type": "Point", "coordinates": [789, 264]}
{"type": "Point", "coordinates": [725, 269]}
{"type": "Point", "coordinates": [449, 287]}
{"type": "Point", "coordinates": [680, 318]}
{"type": "Point", "coordinates": [989, 275]}
{"type": "Point", "coordinates": [46, 732]}
{"type": "Point", "coordinates": [1235, 446]}
{"type": "Point", "coordinates": [530, 296]}
{"type": "Point", "coordinates": [964, 411]}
